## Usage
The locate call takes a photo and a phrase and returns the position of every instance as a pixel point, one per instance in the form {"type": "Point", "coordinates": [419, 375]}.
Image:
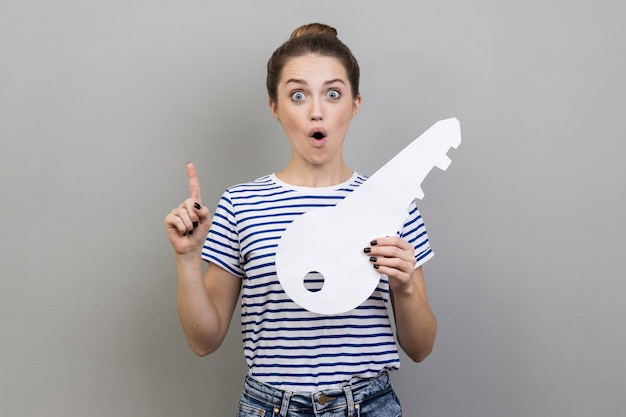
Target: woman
{"type": "Point", "coordinates": [301, 363]}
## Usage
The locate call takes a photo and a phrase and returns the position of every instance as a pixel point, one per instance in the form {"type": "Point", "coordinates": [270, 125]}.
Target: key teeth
{"type": "Point", "coordinates": [443, 163]}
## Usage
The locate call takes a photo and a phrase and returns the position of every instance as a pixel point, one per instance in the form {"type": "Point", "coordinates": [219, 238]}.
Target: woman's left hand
{"type": "Point", "coordinates": [393, 257]}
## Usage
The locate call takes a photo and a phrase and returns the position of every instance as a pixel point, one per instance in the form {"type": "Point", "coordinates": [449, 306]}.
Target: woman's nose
{"type": "Point", "coordinates": [317, 113]}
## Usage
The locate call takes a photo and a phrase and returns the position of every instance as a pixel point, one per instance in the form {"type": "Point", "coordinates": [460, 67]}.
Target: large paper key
{"type": "Point", "coordinates": [329, 241]}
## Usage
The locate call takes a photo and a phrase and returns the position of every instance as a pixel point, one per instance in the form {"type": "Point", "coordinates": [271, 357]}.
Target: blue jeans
{"type": "Point", "coordinates": [371, 398]}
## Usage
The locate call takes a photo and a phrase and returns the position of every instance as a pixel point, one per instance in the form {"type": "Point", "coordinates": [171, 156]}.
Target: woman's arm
{"type": "Point", "coordinates": [416, 326]}
{"type": "Point", "coordinates": [205, 305]}
{"type": "Point", "coordinates": [415, 323]}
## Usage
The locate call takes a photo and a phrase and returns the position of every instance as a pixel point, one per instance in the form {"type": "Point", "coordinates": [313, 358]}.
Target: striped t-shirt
{"type": "Point", "coordinates": [284, 345]}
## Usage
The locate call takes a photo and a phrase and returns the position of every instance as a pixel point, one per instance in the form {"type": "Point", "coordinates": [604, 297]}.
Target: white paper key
{"type": "Point", "coordinates": [330, 241]}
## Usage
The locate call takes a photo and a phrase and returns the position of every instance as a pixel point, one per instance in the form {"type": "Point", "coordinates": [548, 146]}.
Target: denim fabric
{"type": "Point", "coordinates": [371, 398]}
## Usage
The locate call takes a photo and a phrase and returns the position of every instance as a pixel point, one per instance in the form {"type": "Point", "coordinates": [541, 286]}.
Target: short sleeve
{"type": "Point", "coordinates": [414, 231]}
{"type": "Point", "coordinates": [222, 243]}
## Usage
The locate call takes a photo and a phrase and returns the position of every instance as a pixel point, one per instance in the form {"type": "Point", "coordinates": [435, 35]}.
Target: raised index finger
{"type": "Point", "coordinates": [194, 184]}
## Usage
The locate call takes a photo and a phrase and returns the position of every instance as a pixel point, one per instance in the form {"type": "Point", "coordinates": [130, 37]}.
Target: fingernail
{"type": "Point", "coordinates": [190, 232]}
{"type": "Point", "coordinates": [367, 250]}
{"type": "Point", "coordinates": [373, 259]}
{"type": "Point", "coordinates": [374, 242]}
{"type": "Point", "coordinates": [197, 206]}
{"type": "Point", "coordinates": [185, 234]}
{"type": "Point", "coordinates": [195, 224]}
{"type": "Point", "coordinates": [375, 266]}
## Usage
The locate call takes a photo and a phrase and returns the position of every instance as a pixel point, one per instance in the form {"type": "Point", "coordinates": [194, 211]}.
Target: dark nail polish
{"type": "Point", "coordinates": [190, 232]}
{"type": "Point", "coordinates": [375, 266]}
{"type": "Point", "coordinates": [367, 250]}
{"type": "Point", "coordinates": [195, 224]}
{"type": "Point", "coordinates": [373, 259]}
{"type": "Point", "coordinates": [185, 234]}
{"type": "Point", "coordinates": [374, 242]}
{"type": "Point", "coordinates": [197, 206]}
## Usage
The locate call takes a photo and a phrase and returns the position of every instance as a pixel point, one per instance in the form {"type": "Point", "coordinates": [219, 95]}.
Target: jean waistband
{"type": "Point", "coordinates": [349, 396]}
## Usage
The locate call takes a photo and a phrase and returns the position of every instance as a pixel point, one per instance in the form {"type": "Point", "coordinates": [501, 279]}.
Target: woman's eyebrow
{"type": "Point", "coordinates": [336, 80]}
{"type": "Point", "coordinates": [296, 81]}
{"type": "Point", "coordinates": [303, 82]}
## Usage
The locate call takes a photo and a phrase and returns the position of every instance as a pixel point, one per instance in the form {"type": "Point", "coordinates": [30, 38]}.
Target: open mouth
{"type": "Point", "coordinates": [318, 133]}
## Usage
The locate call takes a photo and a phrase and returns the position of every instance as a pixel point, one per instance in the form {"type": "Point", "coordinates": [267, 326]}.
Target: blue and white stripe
{"type": "Point", "coordinates": [286, 346]}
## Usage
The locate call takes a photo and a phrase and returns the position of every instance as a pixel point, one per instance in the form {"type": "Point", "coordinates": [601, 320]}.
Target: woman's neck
{"type": "Point", "coordinates": [315, 176]}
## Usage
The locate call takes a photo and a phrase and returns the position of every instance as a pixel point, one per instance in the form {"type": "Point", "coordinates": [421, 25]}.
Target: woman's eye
{"type": "Point", "coordinates": [333, 94]}
{"type": "Point", "coordinates": [297, 96]}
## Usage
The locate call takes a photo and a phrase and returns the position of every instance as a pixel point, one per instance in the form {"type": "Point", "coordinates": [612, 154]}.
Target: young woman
{"type": "Point", "coordinates": [301, 363]}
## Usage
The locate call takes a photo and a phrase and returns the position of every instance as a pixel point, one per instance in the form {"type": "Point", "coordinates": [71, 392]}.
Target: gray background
{"type": "Point", "coordinates": [102, 103]}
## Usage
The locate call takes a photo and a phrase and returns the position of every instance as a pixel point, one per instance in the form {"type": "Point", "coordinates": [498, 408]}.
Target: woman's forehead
{"type": "Point", "coordinates": [313, 67]}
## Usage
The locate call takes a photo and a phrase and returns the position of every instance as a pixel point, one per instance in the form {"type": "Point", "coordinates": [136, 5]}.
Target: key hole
{"type": "Point", "coordinates": [313, 281]}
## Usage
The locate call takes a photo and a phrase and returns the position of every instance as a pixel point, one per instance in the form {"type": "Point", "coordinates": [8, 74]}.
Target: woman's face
{"type": "Point", "coordinates": [315, 106]}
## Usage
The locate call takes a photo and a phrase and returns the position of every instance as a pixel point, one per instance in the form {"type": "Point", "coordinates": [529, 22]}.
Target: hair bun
{"type": "Point", "coordinates": [313, 29]}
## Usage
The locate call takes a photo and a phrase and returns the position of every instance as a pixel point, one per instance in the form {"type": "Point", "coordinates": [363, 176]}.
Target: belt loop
{"type": "Point", "coordinates": [284, 407]}
{"type": "Point", "coordinates": [349, 400]}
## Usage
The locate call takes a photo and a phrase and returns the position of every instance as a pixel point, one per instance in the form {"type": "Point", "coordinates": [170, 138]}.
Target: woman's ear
{"type": "Point", "coordinates": [356, 105]}
{"type": "Point", "coordinates": [274, 108]}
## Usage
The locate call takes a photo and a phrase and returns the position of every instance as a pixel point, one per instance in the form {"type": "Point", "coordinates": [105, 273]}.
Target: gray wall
{"type": "Point", "coordinates": [102, 103]}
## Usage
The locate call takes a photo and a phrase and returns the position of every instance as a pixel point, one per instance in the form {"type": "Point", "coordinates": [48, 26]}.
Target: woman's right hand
{"type": "Point", "coordinates": [188, 224]}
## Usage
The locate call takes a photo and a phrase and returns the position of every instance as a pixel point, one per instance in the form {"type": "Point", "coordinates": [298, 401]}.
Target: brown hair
{"type": "Point", "coordinates": [313, 38]}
